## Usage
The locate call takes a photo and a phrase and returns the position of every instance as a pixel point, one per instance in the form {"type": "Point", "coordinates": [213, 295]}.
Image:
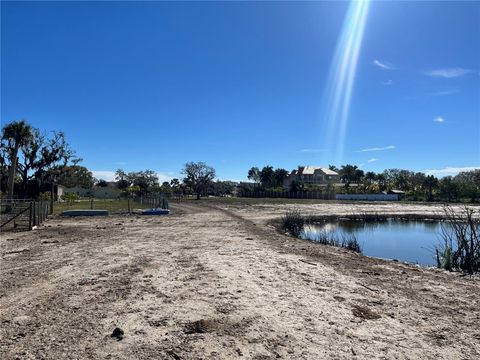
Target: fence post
{"type": "Point", "coordinates": [34, 217]}
{"type": "Point", "coordinates": [129, 211]}
{"type": "Point", "coordinates": [30, 217]}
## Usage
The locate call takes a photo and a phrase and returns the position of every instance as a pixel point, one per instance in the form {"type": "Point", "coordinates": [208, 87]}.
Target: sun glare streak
{"type": "Point", "coordinates": [342, 75]}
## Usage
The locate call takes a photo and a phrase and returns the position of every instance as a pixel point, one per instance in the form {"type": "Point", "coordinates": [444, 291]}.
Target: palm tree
{"type": "Point", "coordinates": [350, 174]}
{"type": "Point", "coordinates": [17, 133]}
{"type": "Point", "coordinates": [429, 183]}
{"type": "Point", "coordinates": [370, 176]}
{"type": "Point", "coordinates": [254, 174]}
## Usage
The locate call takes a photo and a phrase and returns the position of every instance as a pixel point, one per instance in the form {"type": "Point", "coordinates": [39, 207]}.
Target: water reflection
{"type": "Point", "coordinates": [411, 241]}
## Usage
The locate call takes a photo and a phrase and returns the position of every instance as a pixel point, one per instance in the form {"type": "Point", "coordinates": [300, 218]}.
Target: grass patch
{"type": "Point", "coordinates": [112, 205]}
{"type": "Point", "coordinates": [347, 242]}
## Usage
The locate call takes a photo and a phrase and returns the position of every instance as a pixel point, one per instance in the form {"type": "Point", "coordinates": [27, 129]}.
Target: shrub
{"type": "Point", "coordinates": [351, 243]}
{"type": "Point", "coordinates": [44, 196]}
{"type": "Point", "coordinates": [293, 222]}
{"type": "Point", "coordinates": [461, 241]}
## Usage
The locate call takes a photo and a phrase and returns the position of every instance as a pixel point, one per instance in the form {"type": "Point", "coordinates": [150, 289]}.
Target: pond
{"type": "Point", "coordinates": [409, 241]}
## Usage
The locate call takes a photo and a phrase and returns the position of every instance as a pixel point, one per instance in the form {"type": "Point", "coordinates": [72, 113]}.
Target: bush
{"type": "Point", "coordinates": [461, 241]}
{"type": "Point", "coordinates": [351, 243]}
{"type": "Point", "coordinates": [45, 196]}
{"type": "Point", "coordinates": [293, 222]}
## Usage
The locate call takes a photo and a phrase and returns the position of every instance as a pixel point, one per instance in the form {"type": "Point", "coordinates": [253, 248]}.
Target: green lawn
{"type": "Point", "coordinates": [112, 205]}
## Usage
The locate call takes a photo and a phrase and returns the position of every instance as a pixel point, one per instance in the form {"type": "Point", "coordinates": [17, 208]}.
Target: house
{"type": "Point", "coordinates": [312, 175]}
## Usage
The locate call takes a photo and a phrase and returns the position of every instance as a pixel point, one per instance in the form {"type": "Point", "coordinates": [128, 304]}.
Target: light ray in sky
{"type": "Point", "coordinates": [342, 75]}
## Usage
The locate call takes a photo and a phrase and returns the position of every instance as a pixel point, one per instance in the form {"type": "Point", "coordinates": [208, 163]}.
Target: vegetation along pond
{"type": "Point", "coordinates": [409, 241]}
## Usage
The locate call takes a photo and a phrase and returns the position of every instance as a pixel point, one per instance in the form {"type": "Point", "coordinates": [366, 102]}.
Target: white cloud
{"type": "Point", "coordinates": [448, 73]}
{"type": "Point", "coordinates": [439, 119]}
{"type": "Point", "coordinates": [387, 83]}
{"type": "Point", "coordinates": [166, 176]}
{"type": "Point", "coordinates": [312, 150]}
{"type": "Point", "coordinates": [449, 170]}
{"type": "Point", "coordinates": [383, 64]}
{"type": "Point", "coordinates": [104, 175]}
{"type": "Point", "coordinates": [110, 175]}
{"type": "Point", "coordinates": [443, 93]}
{"type": "Point", "coordinates": [389, 147]}
{"type": "Point", "coordinates": [372, 160]}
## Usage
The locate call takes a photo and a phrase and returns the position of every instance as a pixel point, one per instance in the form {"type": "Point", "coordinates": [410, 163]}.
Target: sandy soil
{"type": "Point", "coordinates": [216, 282]}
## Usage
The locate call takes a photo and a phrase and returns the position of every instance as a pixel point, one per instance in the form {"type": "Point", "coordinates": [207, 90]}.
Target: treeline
{"type": "Point", "coordinates": [199, 180]}
{"type": "Point", "coordinates": [267, 178]}
{"type": "Point", "coordinates": [31, 160]}
{"type": "Point", "coordinates": [417, 186]}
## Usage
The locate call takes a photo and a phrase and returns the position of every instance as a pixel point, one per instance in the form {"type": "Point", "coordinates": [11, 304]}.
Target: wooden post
{"type": "Point", "coordinates": [91, 204]}
{"type": "Point", "coordinates": [52, 198]}
{"type": "Point", "coordinates": [30, 217]}
{"type": "Point", "coordinates": [129, 211]}
{"type": "Point", "coordinates": [34, 215]}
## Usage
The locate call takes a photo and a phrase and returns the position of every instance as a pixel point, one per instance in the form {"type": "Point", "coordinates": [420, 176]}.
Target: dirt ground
{"type": "Point", "coordinates": [217, 282]}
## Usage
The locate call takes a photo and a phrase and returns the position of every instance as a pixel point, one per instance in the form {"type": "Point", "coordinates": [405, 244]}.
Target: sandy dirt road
{"type": "Point", "coordinates": [219, 283]}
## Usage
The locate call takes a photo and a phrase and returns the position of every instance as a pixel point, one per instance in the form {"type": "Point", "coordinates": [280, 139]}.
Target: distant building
{"type": "Point", "coordinates": [399, 193]}
{"type": "Point", "coordinates": [312, 175]}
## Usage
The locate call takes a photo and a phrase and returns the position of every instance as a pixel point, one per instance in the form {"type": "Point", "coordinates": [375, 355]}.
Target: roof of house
{"type": "Point", "coordinates": [310, 170]}
{"type": "Point", "coordinates": [394, 191]}
{"type": "Point", "coordinates": [327, 171]}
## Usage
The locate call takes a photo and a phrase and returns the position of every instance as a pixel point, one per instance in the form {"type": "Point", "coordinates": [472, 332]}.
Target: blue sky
{"type": "Point", "coordinates": [156, 84]}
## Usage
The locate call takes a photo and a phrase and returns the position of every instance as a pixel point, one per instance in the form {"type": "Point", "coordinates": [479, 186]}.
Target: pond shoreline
{"type": "Point", "coordinates": [367, 218]}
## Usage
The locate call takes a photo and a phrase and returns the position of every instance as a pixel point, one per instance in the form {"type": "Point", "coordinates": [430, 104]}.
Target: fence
{"type": "Point", "coordinates": [117, 205]}
{"type": "Point", "coordinates": [317, 194]}
{"type": "Point", "coordinates": [18, 214]}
